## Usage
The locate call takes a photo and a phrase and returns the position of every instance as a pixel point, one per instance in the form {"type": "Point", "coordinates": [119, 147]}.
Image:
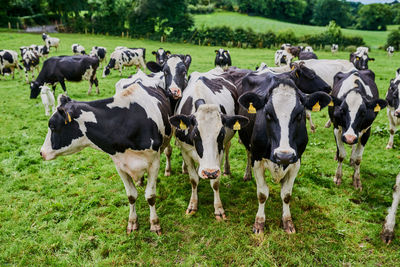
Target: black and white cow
{"type": "Point", "coordinates": [205, 119]}
{"type": "Point", "coordinates": [387, 234]}
{"type": "Point", "coordinates": [125, 58]}
{"type": "Point", "coordinates": [8, 61]}
{"type": "Point", "coordinates": [334, 48]}
{"type": "Point", "coordinates": [161, 55]}
{"type": "Point", "coordinates": [276, 136]}
{"type": "Point", "coordinates": [282, 58]}
{"type": "Point", "coordinates": [308, 49]}
{"type": "Point", "coordinates": [285, 46]}
{"type": "Point", "coordinates": [71, 68]}
{"type": "Point", "coordinates": [222, 58]}
{"type": "Point", "coordinates": [390, 51]}
{"type": "Point", "coordinates": [30, 61]}
{"type": "Point", "coordinates": [99, 52]}
{"type": "Point", "coordinates": [40, 50]}
{"type": "Point", "coordinates": [303, 55]}
{"type": "Point", "coordinates": [360, 60]}
{"type": "Point", "coordinates": [50, 41]}
{"type": "Point", "coordinates": [354, 108]}
{"type": "Point", "coordinates": [393, 108]}
{"type": "Point", "coordinates": [132, 127]}
{"type": "Point", "coordinates": [78, 49]}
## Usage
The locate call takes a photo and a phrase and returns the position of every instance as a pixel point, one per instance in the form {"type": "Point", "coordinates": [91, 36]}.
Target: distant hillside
{"type": "Point", "coordinates": [260, 24]}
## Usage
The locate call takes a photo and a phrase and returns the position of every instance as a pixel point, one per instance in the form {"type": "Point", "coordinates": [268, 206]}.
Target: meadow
{"type": "Point", "coordinates": [74, 210]}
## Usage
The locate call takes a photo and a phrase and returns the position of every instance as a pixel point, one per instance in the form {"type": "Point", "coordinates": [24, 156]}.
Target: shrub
{"type": "Point", "coordinates": [394, 39]}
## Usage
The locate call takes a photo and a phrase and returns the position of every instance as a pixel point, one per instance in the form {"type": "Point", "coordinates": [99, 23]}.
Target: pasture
{"type": "Point", "coordinates": [74, 210]}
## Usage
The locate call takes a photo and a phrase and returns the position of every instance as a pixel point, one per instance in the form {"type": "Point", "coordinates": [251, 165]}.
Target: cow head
{"type": "Point", "coordinates": [205, 130]}
{"type": "Point", "coordinates": [294, 50]}
{"type": "Point", "coordinates": [307, 80]}
{"type": "Point", "coordinates": [110, 65]}
{"type": "Point", "coordinates": [280, 121]}
{"type": "Point", "coordinates": [35, 89]}
{"type": "Point", "coordinates": [161, 55]}
{"type": "Point", "coordinates": [393, 97]}
{"type": "Point", "coordinates": [360, 61]}
{"type": "Point", "coordinates": [222, 58]}
{"type": "Point", "coordinates": [175, 73]}
{"type": "Point", "coordinates": [44, 36]}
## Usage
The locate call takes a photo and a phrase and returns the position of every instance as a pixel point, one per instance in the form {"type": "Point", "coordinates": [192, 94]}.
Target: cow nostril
{"type": "Point", "coordinates": [210, 174]}
{"type": "Point", "coordinates": [350, 139]}
{"type": "Point", "coordinates": [284, 158]}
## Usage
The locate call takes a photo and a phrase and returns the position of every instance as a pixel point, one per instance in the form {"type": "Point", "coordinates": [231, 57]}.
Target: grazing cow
{"type": "Point", "coordinates": [47, 99]}
{"type": "Point", "coordinates": [40, 50]}
{"type": "Point", "coordinates": [308, 49]}
{"type": "Point", "coordinates": [78, 49]}
{"type": "Point", "coordinates": [390, 51]}
{"type": "Point", "coordinates": [99, 52]}
{"type": "Point", "coordinates": [276, 136]}
{"type": "Point", "coordinates": [132, 127]}
{"type": "Point", "coordinates": [393, 111]}
{"type": "Point", "coordinates": [161, 55]}
{"type": "Point", "coordinates": [204, 124]}
{"type": "Point", "coordinates": [303, 55]}
{"type": "Point", "coordinates": [50, 41]}
{"type": "Point", "coordinates": [71, 68]}
{"type": "Point", "coordinates": [354, 108]}
{"type": "Point", "coordinates": [125, 57]}
{"type": "Point", "coordinates": [360, 60]}
{"type": "Point", "coordinates": [30, 61]}
{"type": "Point", "coordinates": [334, 48]}
{"type": "Point", "coordinates": [8, 60]}
{"type": "Point", "coordinates": [387, 233]}
{"type": "Point", "coordinates": [222, 58]}
{"type": "Point", "coordinates": [282, 57]}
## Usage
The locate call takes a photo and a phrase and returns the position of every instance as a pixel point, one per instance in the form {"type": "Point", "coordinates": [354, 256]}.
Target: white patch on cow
{"type": "Point", "coordinates": [284, 101]}
{"type": "Point", "coordinates": [353, 101]}
{"type": "Point", "coordinates": [140, 76]}
{"type": "Point", "coordinates": [350, 83]}
{"type": "Point", "coordinates": [172, 63]}
{"type": "Point", "coordinates": [88, 74]}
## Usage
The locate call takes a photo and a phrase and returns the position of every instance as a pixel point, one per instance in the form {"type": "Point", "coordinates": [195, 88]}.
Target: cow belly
{"type": "Point", "coordinates": [277, 171]}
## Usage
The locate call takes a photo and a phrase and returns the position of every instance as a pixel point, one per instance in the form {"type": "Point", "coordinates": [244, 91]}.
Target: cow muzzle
{"type": "Point", "coordinates": [349, 139]}
{"type": "Point", "coordinates": [210, 173]}
{"type": "Point", "coordinates": [176, 93]}
{"type": "Point", "coordinates": [285, 157]}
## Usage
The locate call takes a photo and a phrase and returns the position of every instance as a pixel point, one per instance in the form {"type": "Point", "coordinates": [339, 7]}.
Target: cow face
{"type": "Point", "coordinates": [161, 56]}
{"type": "Point", "coordinates": [222, 58]}
{"type": "Point", "coordinates": [110, 65]}
{"type": "Point", "coordinates": [280, 123]}
{"type": "Point", "coordinates": [44, 36]}
{"type": "Point", "coordinates": [208, 141]}
{"type": "Point", "coordinates": [360, 61]}
{"type": "Point", "coordinates": [175, 70]}
{"type": "Point", "coordinates": [355, 114]}
{"type": "Point", "coordinates": [393, 97]}
{"type": "Point", "coordinates": [307, 80]}
{"type": "Point", "coordinates": [35, 89]}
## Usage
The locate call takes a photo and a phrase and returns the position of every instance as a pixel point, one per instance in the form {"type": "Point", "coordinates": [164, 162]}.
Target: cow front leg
{"type": "Point", "coordinates": [356, 157]}
{"type": "Point", "coordinates": [62, 82]}
{"type": "Point", "coordinates": [340, 155]}
{"type": "Point", "coordinates": [218, 209]}
{"type": "Point", "coordinates": [286, 194]}
{"type": "Point", "coordinates": [150, 195]}
{"type": "Point", "coordinates": [194, 180]}
{"type": "Point", "coordinates": [227, 166]}
{"type": "Point", "coordinates": [387, 233]}
{"type": "Point", "coordinates": [132, 194]}
{"type": "Point", "coordinates": [168, 153]}
{"type": "Point", "coordinates": [308, 116]}
{"type": "Point", "coordinates": [328, 124]}
{"type": "Point", "coordinates": [262, 195]}
{"type": "Point", "coordinates": [392, 130]}
{"type": "Point", "coordinates": [247, 174]}
{"type": "Point", "coordinates": [26, 77]}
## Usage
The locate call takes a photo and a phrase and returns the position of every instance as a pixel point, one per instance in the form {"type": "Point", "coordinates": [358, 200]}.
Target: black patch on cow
{"type": "Point", "coordinates": [222, 108]}
{"type": "Point", "coordinates": [62, 133]}
{"type": "Point", "coordinates": [198, 103]}
{"type": "Point", "coordinates": [7, 56]}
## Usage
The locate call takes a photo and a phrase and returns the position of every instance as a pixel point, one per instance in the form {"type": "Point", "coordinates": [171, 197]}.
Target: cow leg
{"type": "Point", "coordinates": [247, 174]}
{"type": "Point", "coordinates": [308, 116]}
{"type": "Point", "coordinates": [387, 234]}
{"type": "Point", "coordinates": [168, 153]}
{"type": "Point", "coordinates": [262, 195]}
{"type": "Point", "coordinates": [13, 72]}
{"type": "Point", "coordinates": [356, 157]}
{"type": "Point", "coordinates": [150, 194]}
{"type": "Point", "coordinates": [62, 82]}
{"type": "Point", "coordinates": [26, 76]}
{"type": "Point", "coordinates": [120, 70]}
{"type": "Point", "coordinates": [194, 180]}
{"type": "Point", "coordinates": [184, 168]}
{"type": "Point", "coordinates": [132, 194]}
{"type": "Point", "coordinates": [286, 193]}
{"type": "Point", "coordinates": [392, 130]}
{"type": "Point", "coordinates": [340, 155]}
{"type": "Point", "coordinates": [227, 166]}
{"type": "Point", "coordinates": [219, 211]}
{"type": "Point", "coordinates": [328, 123]}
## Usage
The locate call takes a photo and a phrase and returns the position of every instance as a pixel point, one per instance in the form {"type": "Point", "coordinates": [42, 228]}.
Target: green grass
{"type": "Point", "coordinates": [260, 24]}
{"type": "Point", "coordinates": [74, 211]}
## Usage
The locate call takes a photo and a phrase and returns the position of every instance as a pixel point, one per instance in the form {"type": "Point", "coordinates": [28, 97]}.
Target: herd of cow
{"type": "Point", "coordinates": [268, 108]}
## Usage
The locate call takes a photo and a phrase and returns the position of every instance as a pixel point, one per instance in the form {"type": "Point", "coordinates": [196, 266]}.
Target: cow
{"type": "Point", "coordinates": [40, 50]}
{"type": "Point", "coordinates": [276, 136]}
{"type": "Point", "coordinates": [360, 60]}
{"type": "Point", "coordinates": [390, 51]}
{"type": "Point", "coordinates": [132, 127]}
{"type": "Point", "coordinates": [334, 48]}
{"type": "Point", "coordinates": [125, 57]}
{"type": "Point", "coordinates": [387, 234]}
{"type": "Point", "coordinates": [204, 121]}
{"type": "Point", "coordinates": [355, 106]}
{"type": "Point", "coordinates": [393, 108]}
{"type": "Point", "coordinates": [151, 80]}
{"type": "Point", "coordinates": [71, 68]}
{"type": "Point", "coordinates": [23, 49]}
{"type": "Point", "coordinates": [222, 58]}
{"type": "Point", "coordinates": [285, 46]}
{"type": "Point", "coordinates": [303, 55]}
{"type": "Point", "coordinates": [362, 50]}
{"type": "Point", "coordinates": [294, 50]}
{"type": "Point", "coordinates": [161, 55]}
{"type": "Point", "coordinates": [47, 99]}
{"type": "Point", "coordinates": [8, 60]}
{"type": "Point", "coordinates": [308, 49]}
{"type": "Point", "coordinates": [50, 41]}
{"type": "Point", "coordinates": [282, 57]}
{"type": "Point", "coordinates": [99, 52]}
{"type": "Point", "coordinates": [78, 49]}
{"type": "Point", "coordinates": [30, 61]}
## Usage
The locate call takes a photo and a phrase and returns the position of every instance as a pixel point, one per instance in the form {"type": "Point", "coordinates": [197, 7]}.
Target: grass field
{"type": "Point", "coordinates": [74, 211]}
{"type": "Point", "coordinates": [259, 24]}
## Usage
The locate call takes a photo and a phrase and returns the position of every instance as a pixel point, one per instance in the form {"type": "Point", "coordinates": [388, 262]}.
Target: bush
{"type": "Point", "coordinates": [394, 39]}
{"type": "Point", "coordinates": [201, 9]}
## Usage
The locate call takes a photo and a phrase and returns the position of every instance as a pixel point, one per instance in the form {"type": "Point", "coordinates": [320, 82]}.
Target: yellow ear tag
{"type": "Point", "coordinates": [357, 59]}
{"type": "Point", "coordinates": [297, 75]}
{"type": "Point", "coordinates": [251, 109]}
{"type": "Point", "coordinates": [236, 126]}
{"type": "Point", "coordinates": [377, 108]}
{"type": "Point", "coordinates": [293, 67]}
{"type": "Point", "coordinates": [182, 126]}
{"type": "Point", "coordinates": [331, 104]}
{"type": "Point", "coordinates": [316, 107]}
{"type": "Point", "coordinates": [69, 118]}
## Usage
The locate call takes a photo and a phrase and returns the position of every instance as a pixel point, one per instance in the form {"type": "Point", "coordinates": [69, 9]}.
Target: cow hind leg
{"type": "Point", "coordinates": [194, 180]}
{"type": "Point", "coordinates": [328, 124]}
{"type": "Point", "coordinates": [262, 195]}
{"type": "Point", "coordinates": [340, 155]}
{"type": "Point", "coordinates": [247, 174]}
{"type": "Point", "coordinates": [387, 233]}
{"type": "Point", "coordinates": [168, 153]}
{"type": "Point", "coordinates": [312, 125]}
{"type": "Point", "coordinates": [227, 166]}
{"type": "Point", "coordinates": [150, 195]}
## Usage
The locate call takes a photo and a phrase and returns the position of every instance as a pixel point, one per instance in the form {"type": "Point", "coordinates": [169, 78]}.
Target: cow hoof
{"type": "Point", "coordinates": [227, 173]}
{"type": "Point", "coordinates": [258, 227]}
{"type": "Point", "coordinates": [247, 178]}
{"type": "Point", "coordinates": [357, 185]}
{"type": "Point", "coordinates": [191, 211]}
{"type": "Point", "coordinates": [156, 228]}
{"type": "Point", "coordinates": [389, 146]}
{"type": "Point", "coordinates": [337, 180]}
{"type": "Point", "coordinates": [387, 236]}
{"type": "Point", "coordinates": [132, 226]}
{"type": "Point", "coordinates": [288, 226]}
{"type": "Point", "coordinates": [328, 124]}
{"type": "Point", "coordinates": [312, 128]}
{"type": "Point", "coordinates": [167, 173]}
{"type": "Point", "coordinates": [220, 217]}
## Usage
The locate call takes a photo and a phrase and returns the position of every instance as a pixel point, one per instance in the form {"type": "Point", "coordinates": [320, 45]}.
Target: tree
{"type": "Point", "coordinates": [394, 39]}
{"type": "Point", "coordinates": [326, 10]}
{"type": "Point", "coordinates": [374, 17]}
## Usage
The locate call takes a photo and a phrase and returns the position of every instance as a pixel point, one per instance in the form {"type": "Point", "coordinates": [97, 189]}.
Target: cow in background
{"type": "Point", "coordinates": [390, 51]}
{"type": "Point", "coordinates": [125, 58]}
{"type": "Point", "coordinates": [222, 58]}
{"type": "Point", "coordinates": [393, 108]}
{"type": "Point", "coordinates": [334, 48]}
{"type": "Point", "coordinates": [99, 52]}
{"type": "Point", "coordinates": [30, 61]}
{"type": "Point", "coordinates": [8, 62]}
{"type": "Point", "coordinates": [161, 55]}
{"type": "Point", "coordinates": [50, 41]}
{"type": "Point", "coordinates": [78, 49]}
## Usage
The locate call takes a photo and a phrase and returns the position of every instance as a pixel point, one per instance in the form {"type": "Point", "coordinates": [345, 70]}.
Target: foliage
{"type": "Point", "coordinates": [374, 17]}
{"type": "Point", "coordinates": [201, 9]}
{"type": "Point", "coordinates": [326, 10]}
{"type": "Point", "coordinates": [394, 39]}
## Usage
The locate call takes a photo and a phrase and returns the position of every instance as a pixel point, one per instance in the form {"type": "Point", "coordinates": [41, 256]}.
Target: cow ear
{"type": "Point", "coordinates": [153, 66]}
{"type": "Point", "coordinates": [154, 52]}
{"type": "Point", "coordinates": [317, 101]}
{"type": "Point", "coordinates": [63, 99]}
{"type": "Point", "coordinates": [236, 122]}
{"type": "Point", "coordinates": [187, 61]}
{"type": "Point", "coordinates": [376, 104]}
{"type": "Point", "coordinates": [181, 122]}
{"type": "Point", "coordinates": [251, 102]}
